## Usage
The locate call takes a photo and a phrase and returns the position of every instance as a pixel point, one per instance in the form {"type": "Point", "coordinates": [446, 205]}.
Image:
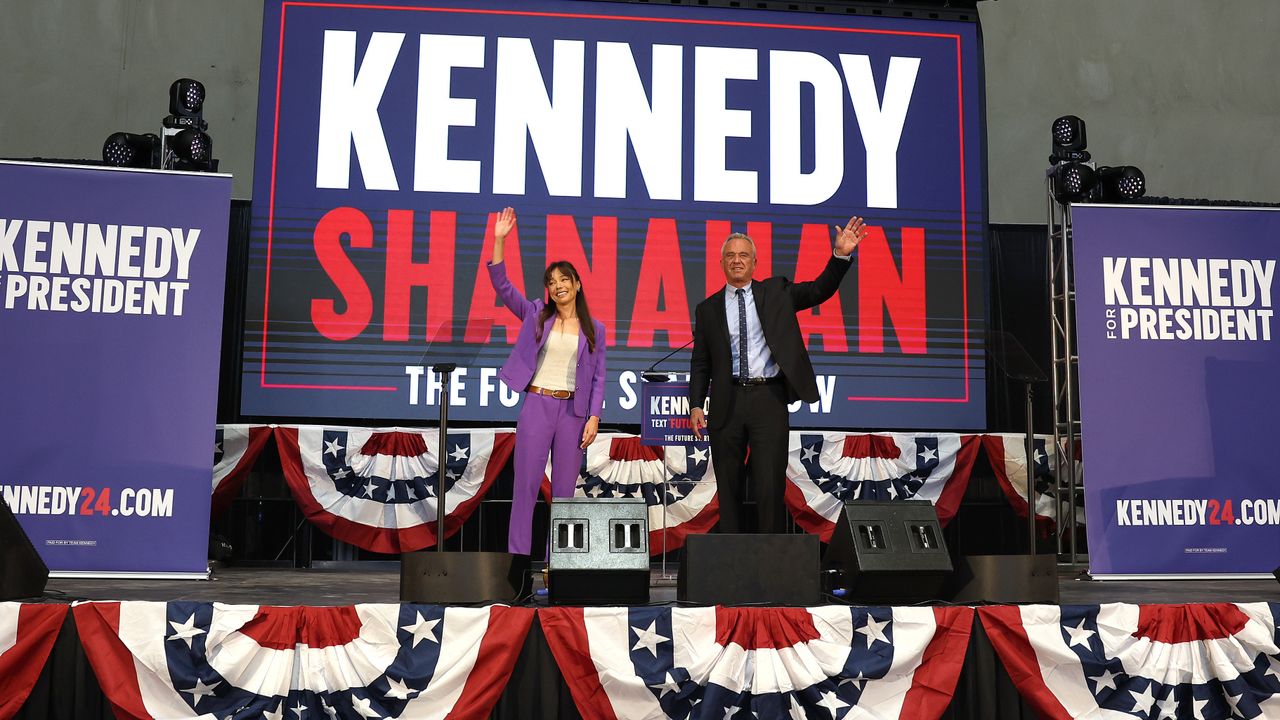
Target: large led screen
{"type": "Point", "coordinates": [631, 140]}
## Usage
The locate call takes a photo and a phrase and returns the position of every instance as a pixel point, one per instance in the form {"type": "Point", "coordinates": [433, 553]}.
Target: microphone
{"type": "Point", "coordinates": [652, 376]}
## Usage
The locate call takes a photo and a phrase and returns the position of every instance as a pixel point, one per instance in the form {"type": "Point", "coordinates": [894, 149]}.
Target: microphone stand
{"type": "Point", "coordinates": [445, 371]}
{"type": "Point", "coordinates": [652, 376]}
{"type": "Point", "coordinates": [449, 578]}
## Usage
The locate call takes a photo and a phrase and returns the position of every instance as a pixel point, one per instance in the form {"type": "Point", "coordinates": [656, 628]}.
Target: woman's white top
{"type": "Point", "coordinates": [557, 362]}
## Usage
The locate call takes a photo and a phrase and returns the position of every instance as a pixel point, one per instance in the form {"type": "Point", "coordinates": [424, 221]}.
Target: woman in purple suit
{"type": "Point", "coordinates": [558, 362]}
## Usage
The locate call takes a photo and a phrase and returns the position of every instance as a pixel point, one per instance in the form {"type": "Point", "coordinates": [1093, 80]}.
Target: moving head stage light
{"type": "Point", "coordinates": [1073, 182]}
{"type": "Point", "coordinates": [130, 150]}
{"type": "Point", "coordinates": [1069, 140]}
{"type": "Point", "coordinates": [1124, 183]}
{"type": "Point", "coordinates": [1074, 179]}
{"type": "Point", "coordinates": [186, 144]}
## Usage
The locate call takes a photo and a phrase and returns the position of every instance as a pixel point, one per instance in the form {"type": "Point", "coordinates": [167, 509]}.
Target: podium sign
{"type": "Point", "coordinates": [664, 414]}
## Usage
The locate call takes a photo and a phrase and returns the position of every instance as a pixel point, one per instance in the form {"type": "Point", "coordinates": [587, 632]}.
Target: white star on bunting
{"type": "Point", "coordinates": [874, 631]}
{"type": "Point", "coordinates": [364, 706]}
{"type": "Point", "coordinates": [200, 691]}
{"type": "Point", "coordinates": [398, 689]}
{"type": "Point", "coordinates": [422, 630]}
{"type": "Point", "coordinates": [1079, 636]}
{"type": "Point", "coordinates": [1106, 680]}
{"type": "Point", "coordinates": [185, 631]}
{"type": "Point", "coordinates": [832, 703]}
{"type": "Point", "coordinates": [649, 638]}
{"type": "Point", "coordinates": [668, 685]}
{"type": "Point", "coordinates": [1142, 701]}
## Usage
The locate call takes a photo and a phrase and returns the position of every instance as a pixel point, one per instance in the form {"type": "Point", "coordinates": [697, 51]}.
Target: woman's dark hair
{"type": "Point", "coordinates": [585, 325]}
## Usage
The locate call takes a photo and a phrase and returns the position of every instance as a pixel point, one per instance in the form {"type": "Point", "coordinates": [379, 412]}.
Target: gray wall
{"type": "Point", "coordinates": [74, 71]}
{"type": "Point", "coordinates": [1185, 89]}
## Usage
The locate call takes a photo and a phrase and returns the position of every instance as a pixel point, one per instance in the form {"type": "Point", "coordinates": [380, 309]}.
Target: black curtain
{"type": "Point", "coordinates": [1019, 282]}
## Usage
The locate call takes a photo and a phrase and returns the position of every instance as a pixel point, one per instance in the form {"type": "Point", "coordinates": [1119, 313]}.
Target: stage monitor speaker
{"type": "Point", "coordinates": [23, 573]}
{"type": "Point", "coordinates": [887, 553]}
{"type": "Point", "coordinates": [599, 552]}
{"type": "Point", "coordinates": [750, 570]}
{"type": "Point", "coordinates": [463, 578]}
{"type": "Point", "coordinates": [1004, 579]}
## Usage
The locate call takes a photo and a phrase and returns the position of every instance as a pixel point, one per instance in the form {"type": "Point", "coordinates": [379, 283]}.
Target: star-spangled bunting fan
{"type": "Point", "coordinates": [826, 469]}
{"type": "Point", "coordinates": [618, 466]}
{"type": "Point", "coordinates": [235, 450]}
{"type": "Point", "coordinates": [1141, 661]}
{"type": "Point", "coordinates": [376, 488]}
{"type": "Point", "coordinates": [208, 660]}
{"type": "Point", "coordinates": [1008, 456]}
{"type": "Point", "coordinates": [27, 633]}
{"type": "Point", "coordinates": [840, 662]}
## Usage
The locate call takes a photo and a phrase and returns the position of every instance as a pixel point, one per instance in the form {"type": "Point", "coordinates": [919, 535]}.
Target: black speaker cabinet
{"type": "Point", "coordinates": [750, 570]}
{"type": "Point", "coordinates": [23, 573]}
{"type": "Point", "coordinates": [1004, 579]}
{"type": "Point", "coordinates": [463, 578]}
{"type": "Point", "coordinates": [599, 552]}
{"type": "Point", "coordinates": [887, 553]}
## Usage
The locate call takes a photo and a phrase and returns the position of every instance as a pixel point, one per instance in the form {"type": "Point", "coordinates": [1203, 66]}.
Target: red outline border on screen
{"type": "Point", "coordinates": [964, 247]}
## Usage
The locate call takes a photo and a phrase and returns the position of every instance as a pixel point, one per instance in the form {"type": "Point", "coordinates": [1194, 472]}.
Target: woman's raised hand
{"type": "Point", "coordinates": [506, 223]}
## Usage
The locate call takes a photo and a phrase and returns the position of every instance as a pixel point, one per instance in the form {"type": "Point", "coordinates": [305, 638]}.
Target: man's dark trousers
{"type": "Point", "coordinates": [760, 420]}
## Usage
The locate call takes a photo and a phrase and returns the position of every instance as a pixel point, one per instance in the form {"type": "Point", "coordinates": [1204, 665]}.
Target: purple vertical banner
{"type": "Point", "coordinates": [111, 289]}
{"type": "Point", "coordinates": [1179, 388]}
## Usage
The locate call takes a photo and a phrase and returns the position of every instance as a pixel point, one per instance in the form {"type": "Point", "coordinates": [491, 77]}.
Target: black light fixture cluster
{"type": "Point", "coordinates": [183, 144]}
{"type": "Point", "coordinates": [1075, 179]}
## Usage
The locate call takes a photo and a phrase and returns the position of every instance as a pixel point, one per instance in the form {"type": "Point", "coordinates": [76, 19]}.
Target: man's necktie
{"type": "Point", "coordinates": [742, 335]}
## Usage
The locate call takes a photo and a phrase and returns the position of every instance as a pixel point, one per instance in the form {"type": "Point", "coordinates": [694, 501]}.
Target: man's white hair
{"type": "Point", "coordinates": [738, 236]}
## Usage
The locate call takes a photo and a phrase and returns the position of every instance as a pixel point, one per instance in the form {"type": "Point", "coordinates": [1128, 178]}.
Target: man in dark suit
{"type": "Point", "coordinates": [747, 348]}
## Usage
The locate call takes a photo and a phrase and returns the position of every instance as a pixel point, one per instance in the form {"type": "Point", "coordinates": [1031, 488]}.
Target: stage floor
{"type": "Point", "coordinates": [350, 585]}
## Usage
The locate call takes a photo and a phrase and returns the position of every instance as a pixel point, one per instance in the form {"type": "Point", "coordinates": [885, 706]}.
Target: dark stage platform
{"type": "Point", "coordinates": [380, 583]}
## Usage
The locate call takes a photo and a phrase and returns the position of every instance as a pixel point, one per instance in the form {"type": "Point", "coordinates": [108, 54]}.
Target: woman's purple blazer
{"type": "Point", "coordinates": [521, 365]}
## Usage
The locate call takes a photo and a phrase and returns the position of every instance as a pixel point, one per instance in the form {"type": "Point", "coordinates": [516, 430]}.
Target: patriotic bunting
{"type": "Point", "coordinates": [1008, 456]}
{"type": "Point", "coordinates": [618, 466]}
{"type": "Point", "coordinates": [376, 488]}
{"type": "Point", "coordinates": [826, 469]}
{"type": "Point", "coordinates": [1146, 661]}
{"type": "Point", "coordinates": [829, 662]}
{"type": "Point", "coordinates": [27, 634]}
{"type": "Point", "coordinates": [209, 660]}
{"type": "Point", "coordinates": [235, 450]}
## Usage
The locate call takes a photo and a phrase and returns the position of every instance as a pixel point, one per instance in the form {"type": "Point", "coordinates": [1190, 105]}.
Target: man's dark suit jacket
{"type": "Point", "coordinates": [777, 301]}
